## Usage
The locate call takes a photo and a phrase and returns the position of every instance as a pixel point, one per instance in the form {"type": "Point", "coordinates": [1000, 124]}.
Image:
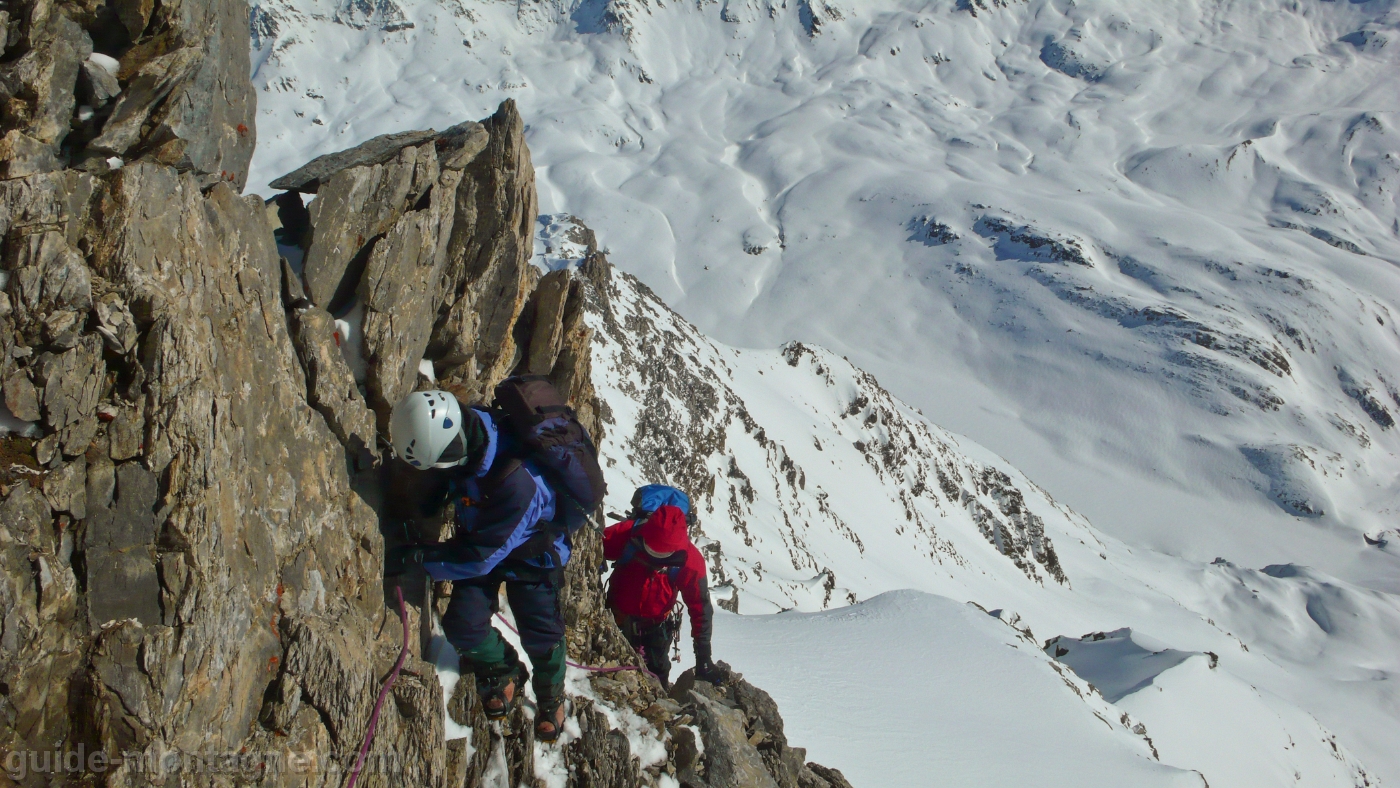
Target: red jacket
{"type": "Point", "coordinates": [642, 586]}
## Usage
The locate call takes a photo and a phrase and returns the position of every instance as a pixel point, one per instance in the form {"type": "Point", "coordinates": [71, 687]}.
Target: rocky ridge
{"type": "Point", "coordinates": [686, 416]}
{"type": "Point", "coordinates": [195, 501]}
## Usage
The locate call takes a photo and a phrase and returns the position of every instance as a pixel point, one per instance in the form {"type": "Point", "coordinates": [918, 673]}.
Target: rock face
{"type": "Point", "coordinates": [90, 83]}
{"type": "Point", "coordinates": [192, 528]}
{"type": "Point", "coordinates": [744, 744]}
{"type": "Point", "coordinates": [431, 235]}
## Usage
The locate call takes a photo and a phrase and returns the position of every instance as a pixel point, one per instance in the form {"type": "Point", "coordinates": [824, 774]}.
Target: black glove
{"type": "Point", "coordinates": [403, 559]}
{"type": "Point", "coordinates": [709, 671]}
{"type": "Point", "coordinates": [705, 668]}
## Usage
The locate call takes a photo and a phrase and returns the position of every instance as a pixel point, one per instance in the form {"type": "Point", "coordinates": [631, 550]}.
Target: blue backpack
{"type": "Point", "coordinates": [654, 496]}
{"type": "Point", "coordinates": [645, 501]}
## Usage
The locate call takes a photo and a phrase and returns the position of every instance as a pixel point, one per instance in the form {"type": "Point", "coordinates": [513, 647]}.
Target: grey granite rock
{"type": "Point", "coordinates": [73, 383]}
{"type": "Point", "coordinates": [21, 155]}
{"type": "Point", "coordinates": [38, 86]}
{"type": "Point", "coordinates": [120, 552]}
{"type": "Point", "coordinates": [208, 124]}
{"type": "Point", "coordinates": [456, 147]}
{"type": "Point", "coordinates": [814, 775]}
{"type": "Point", "coordinates": [547, 333]}
{"type": "Point", "coordinates": [99, 84]}
{"type": "Point", "coordinates": [383, 149]}
{"type": "Point", "coordinates": [459, 145]}
{"type": "Point", "coordinates": [730, 760]}
{"type": "Point", "coordinates": [330, 384]}
{"type": "Point", "coordinates": [21, 397]}
{"type": "Point", "coordinates": [65, 488]}
{"type": "Point", "coordinates": [351, 213]}
{"type": "Point", "coordinates": [145, 93]}
{"type": "Point", "coordinates": [126, 433]}
{"type": "Point", "coordinates": [49, 275]}
{"type": "Point", "coordinates": [115, 323]}
{"type": "Point", "coordinates": [400, 298]}
{"type": "Point", "coordinates": [492, 241]}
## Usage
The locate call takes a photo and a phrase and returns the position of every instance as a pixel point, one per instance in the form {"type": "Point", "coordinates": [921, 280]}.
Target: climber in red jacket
{"type": "Point", "coordinates": [653, 562]}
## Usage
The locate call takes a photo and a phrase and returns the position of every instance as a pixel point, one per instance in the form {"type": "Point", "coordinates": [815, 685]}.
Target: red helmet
{"type": "Point", "coordinates": [665, 530]}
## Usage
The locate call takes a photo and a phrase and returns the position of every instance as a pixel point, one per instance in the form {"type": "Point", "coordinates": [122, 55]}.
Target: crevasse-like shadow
{"type": "Point", "coordinates": [592, 16]}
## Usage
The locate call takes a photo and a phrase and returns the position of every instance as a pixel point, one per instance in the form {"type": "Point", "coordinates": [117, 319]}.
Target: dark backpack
{"type": "Point", "coordinates": [551, 438]}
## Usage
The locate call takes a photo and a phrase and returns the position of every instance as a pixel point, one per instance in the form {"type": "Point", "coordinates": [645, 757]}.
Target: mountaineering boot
{"type": "Point", "coordinates": [549, 721]}
{"type": "Point", "coordinates": [549, 693]}
{"type": "Point", "coordinates": [498, 693]}
{"type": "Point", "coordinates": [499, 674]}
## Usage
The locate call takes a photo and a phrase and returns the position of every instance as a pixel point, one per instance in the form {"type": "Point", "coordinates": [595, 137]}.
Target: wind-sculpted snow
{"type": "Point", "coordinates": [1109, 239]}
{"type": "Point", "coordinates": [1115, 662]}
{"type": "Point", "coordinates": [1143, 250]}
{"type": "Point", "coordinates": [1138, 674]}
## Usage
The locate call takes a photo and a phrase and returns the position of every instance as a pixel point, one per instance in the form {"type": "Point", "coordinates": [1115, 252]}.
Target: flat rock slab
{"type": "Point", "coordinates": [457, 144]}
{"type": "Point", "coordinates": [121, 570]}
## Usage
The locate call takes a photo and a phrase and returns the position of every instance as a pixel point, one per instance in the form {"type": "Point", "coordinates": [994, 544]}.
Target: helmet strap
{"type": "Point", "coordinates": [474, 431]}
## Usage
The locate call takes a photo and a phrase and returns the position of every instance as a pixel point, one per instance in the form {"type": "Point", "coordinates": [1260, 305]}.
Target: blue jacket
{"type": "Point", "coordinates": [494, 523]}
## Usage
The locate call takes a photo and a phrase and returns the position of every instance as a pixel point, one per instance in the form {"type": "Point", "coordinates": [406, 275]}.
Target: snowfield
{"type": "Point", "coordinates": [816, 489]}
{"type": "Point", "coordinates": [944, 695]}
{"type": "Point", "coordinates": [1141, 252]}
{"type": "Point", "coordinates": [1144, 250]}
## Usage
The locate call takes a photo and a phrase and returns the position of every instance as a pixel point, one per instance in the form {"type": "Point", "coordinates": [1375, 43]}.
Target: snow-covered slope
{"type": "Point", "coordinates": [1145, 250]}
{"type": "Point", "coordinates": [817, 489]}
{"type": "Point", "coordinates": [926, 691]}
{"type": "Point", "coordinates": [825, 488]}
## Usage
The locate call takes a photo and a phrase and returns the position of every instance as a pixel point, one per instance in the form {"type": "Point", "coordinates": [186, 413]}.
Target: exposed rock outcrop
{"type": "Point", "coordinates": [193, 528]}
{"type": "Point", "coordinates": [431, 234]}
{"type": "Point", "coordinates": [94, 84]}
{"type": "Point", "coordinates": [744, 743]}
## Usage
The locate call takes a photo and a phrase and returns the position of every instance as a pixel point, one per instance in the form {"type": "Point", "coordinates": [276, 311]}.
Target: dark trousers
{"type": "Point", "coordinates": [535, 604]}
{"type": "Point", "coordinates": [651, 639]}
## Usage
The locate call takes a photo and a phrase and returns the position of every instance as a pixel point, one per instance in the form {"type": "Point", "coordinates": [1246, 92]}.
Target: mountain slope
{"type": "Point", "coordinates": [816, 489]}
{"type": "Point", "coordinates": [809, 462]}
{"type": "Point", "coordinates": [1143, 250]}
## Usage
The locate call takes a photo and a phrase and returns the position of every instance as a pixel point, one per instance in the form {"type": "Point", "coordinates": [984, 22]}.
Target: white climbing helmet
{"type": "Point", "coordinates": [426, 430]}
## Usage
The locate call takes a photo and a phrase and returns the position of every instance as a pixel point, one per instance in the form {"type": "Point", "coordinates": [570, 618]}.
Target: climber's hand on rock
{"type": "Point", "coordinates": [705, 670]}
{"type": "Point", "coordinates": [403, 559]}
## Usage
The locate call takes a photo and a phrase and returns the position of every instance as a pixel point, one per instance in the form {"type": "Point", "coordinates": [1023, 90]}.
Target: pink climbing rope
{"type": "Point", "coordinates": [588, 668]}
{"type": "Point", "coordinates": [383, 693]}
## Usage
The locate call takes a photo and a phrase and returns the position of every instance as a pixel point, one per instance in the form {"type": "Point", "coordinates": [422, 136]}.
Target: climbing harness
{"type": "Point", "coordinates": [383, 693]}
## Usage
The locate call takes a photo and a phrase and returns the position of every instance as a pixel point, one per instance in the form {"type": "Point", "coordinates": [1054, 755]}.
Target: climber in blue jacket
{"type": "Point", "coordinates": [503, 513]}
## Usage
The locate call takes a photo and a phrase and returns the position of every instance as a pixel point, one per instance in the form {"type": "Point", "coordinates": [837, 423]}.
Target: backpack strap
{"type": "Point", "coordinates": [628, 554]}
{"type": "Point", "coordinates": [492, 480]}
